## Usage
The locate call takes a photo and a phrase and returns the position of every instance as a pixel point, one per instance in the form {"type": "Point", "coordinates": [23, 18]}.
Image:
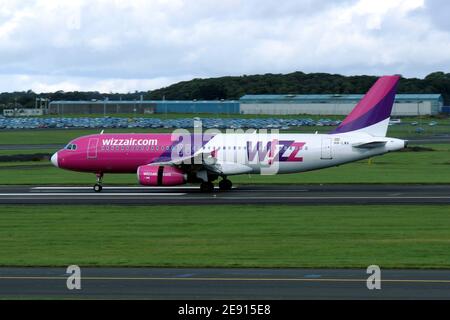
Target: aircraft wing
{"type": "Point", "coordinates": [204, 161]}
{"type": "Point", "coordinates": [196, 159]}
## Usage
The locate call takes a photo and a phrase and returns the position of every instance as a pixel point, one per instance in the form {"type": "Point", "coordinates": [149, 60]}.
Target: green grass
{"type": "Point", "coordinates": [228, 236]}
{"type": "Point", "coordinates": [53, 136]}
{"type": "Point", "coordinates": [30, 151]}
{"type": "Point", "coordinates": [396, 167]}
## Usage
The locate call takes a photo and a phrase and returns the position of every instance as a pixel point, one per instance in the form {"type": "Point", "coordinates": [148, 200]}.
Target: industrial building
{"type": "Point", "coordinates": [336, 104]}
{"type": "Point", "coordinates": [141, 107]}
{"type": "Point", "coordinates": [320, 104]}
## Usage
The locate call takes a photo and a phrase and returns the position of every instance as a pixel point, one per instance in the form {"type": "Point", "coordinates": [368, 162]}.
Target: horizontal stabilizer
{"type": "Point", "coordinates": [369, 145]}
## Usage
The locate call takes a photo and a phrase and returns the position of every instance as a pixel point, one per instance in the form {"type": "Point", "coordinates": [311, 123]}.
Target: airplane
{"type": "Point", "coordinates": [174, 159]}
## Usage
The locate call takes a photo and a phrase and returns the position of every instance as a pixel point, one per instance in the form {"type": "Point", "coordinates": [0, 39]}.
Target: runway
{"type": "Point", "coordinates": [241, 194]}
{"type": "Point", "coordinates": [200, 283]}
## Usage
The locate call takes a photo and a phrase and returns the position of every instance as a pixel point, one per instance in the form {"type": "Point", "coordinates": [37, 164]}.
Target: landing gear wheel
{"type": "Point", "coordinates": [98, 187]}
{"type": "Point", "coordinates": [206, 187]}
{"type": "Point", "coordinates": [225, 184]}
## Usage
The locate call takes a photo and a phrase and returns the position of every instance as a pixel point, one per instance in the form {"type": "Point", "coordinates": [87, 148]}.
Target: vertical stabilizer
{"type": "Point", "coordinates": [371, 115]}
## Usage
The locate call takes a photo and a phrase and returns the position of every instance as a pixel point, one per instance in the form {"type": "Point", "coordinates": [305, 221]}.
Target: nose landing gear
{"type": "Point", "coordinates": [98, 186]}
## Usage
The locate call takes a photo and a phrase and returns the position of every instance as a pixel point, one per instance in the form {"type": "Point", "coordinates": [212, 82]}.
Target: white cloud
{"type": "Point", "coordinates": [40, 83]}
{"type": "Point", "coordinates": [105, 45]}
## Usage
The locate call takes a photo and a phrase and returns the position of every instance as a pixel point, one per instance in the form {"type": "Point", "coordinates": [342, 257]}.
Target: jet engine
{"type": "Point", "coordinates": [160, 176]}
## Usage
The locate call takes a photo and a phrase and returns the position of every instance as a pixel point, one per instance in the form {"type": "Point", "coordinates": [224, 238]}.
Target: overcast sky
{"type": "Point", "coordinates": [122, 46]}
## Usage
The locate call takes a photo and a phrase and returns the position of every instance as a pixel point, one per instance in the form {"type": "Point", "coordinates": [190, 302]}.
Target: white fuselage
{"type": "Point", "coordinates": [289, 153]}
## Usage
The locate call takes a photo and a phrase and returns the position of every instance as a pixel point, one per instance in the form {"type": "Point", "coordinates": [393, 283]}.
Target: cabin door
{"type": "Point", "coordinates": [92, 148]}
{"type": "Point", "coordinates": [326, 151]}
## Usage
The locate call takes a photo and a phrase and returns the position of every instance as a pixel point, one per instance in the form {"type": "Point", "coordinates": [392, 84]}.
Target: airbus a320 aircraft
{"type": "Point", "coordinates": [179, 158]}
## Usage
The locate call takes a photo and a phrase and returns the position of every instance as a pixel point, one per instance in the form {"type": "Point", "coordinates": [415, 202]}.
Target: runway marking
{"type": "Point", "coordinates": [227, 279]}
{"type": "Point", "coordinates": [40, 194]}
{"type": "Point", "coordinates": [185, 196]}
{"type": "Point", "coordinates": [273, 190]}
{"type": "Point", "coordinates": [325, 197]}
{"type": "Point", "coordinates": [111, 188]}
{"type": "Point", "coordinates": [211, 196]}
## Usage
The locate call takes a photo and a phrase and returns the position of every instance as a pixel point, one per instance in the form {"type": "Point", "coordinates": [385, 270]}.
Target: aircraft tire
{"type": "Point", "coordinates": [206, 187]}
{"type": "Point", "coordinates": [225, 184]}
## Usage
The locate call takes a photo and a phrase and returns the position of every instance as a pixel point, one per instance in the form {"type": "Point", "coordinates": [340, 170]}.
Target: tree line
{"type": "Point", "coordinates": [234, 87]}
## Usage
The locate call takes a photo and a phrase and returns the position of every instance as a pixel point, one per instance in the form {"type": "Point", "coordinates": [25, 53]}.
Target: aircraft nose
{"type": "Point", "coordinates": [54, 159]}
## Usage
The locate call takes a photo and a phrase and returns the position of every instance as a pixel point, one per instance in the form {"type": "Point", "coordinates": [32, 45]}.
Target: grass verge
{"type": "Point", "coordinates": [229, 236]}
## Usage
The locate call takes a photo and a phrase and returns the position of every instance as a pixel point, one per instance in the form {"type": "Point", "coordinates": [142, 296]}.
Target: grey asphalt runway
{"type": "Point", "coordinates": [244, 194]}
{"type": "Point", "coordinates": [429, 140]}
{"type": "Point", "coordinates": [183, 283]}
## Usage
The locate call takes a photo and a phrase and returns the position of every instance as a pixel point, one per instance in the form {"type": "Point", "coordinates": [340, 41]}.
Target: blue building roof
{"type": "Point", "coordinates": [140, 101]}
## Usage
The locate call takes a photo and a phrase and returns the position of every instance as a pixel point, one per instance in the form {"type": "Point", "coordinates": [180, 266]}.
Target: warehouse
{"type": "Point", "coordinates": [100, 107]}
{"type": "Point", "coordinates": [335, 104]}
{"type": "Point", "coordinates": [137, 107]}
{"type": "Point", "coordinates": [320, 104]}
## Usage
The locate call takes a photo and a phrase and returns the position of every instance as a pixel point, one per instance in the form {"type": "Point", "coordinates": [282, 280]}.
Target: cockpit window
{"type": "Point", "coordinates": [71, 146]}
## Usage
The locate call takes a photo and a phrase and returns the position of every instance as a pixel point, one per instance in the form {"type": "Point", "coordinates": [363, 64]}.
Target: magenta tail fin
{"type": "Point", "coordinates": [372, 113]}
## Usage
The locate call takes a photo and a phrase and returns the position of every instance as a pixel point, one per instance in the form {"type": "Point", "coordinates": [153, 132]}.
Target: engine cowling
{"type": "Point", "coordinates": [160, 176]}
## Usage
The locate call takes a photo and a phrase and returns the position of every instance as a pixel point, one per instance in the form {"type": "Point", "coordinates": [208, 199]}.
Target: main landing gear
{"type": "Point", "coordinates": [224, 184]}
{"type": "Point", "coordinates": [207, 186]}
{"type": "Point", "coordinates": [98, 186]}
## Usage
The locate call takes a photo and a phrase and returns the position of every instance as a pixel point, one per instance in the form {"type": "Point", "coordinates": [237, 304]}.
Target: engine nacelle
{"type": "Point", "coordinates": [160, 176]}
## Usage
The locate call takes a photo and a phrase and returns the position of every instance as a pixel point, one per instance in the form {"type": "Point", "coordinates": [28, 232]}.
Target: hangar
{"type": "Point", "coordinates": [335, 104]}
{"type": "Point", "coordinates": [142, 107]}
{"type": "Point", "coordinates": [314, 104]}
